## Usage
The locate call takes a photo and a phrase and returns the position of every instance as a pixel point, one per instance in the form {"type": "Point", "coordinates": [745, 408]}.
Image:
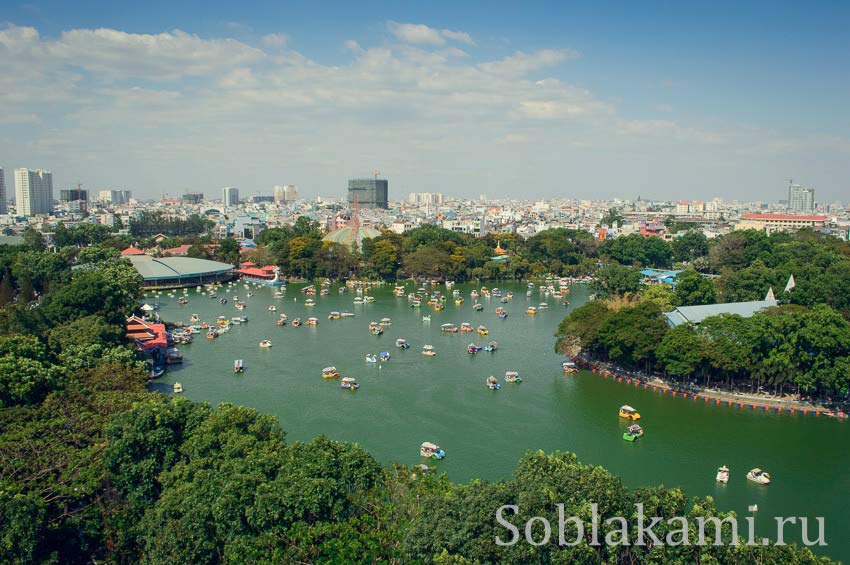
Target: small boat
{"type": "Point", "coordinates": [428, 350]}
{"type": "Point", "coordinates": [386, 322]}
{"type": "Point", "coordinates": [238, 366]}
{"type": "Point", "coordinates": [334, 315]}
{"type": "Point", "coordinates": [501, 313]}
{"type": "Point", "coordinates": [542, 306]}
{"type": "Point", "coordinates": [358, 301]}
{"type": "Point", "coordinates": [194, 319]}
{"type": "Point", "coordinates": [569, 367]}
{"type": "Point", "coordinates": [492, 383]}
{"type": "Point", "coordinates": [349, 383]}
{"type": "Point", "coordinates": [346, 314]}
{"type": "Point", "coordinates": [482, 331]}
{"type": "Point", "coordinates": [466, 327]}
{"type": "Point", "coordinates": [496, 292]}
{"type": "Point", "coordinates": [384, 356]}
{"type": "Point", "coordinates": [240, 306]}
{"type": "Point", "coordinates": [375, 329]}
{"type": "Point", "coordinates": [474, 294]}
{"type": "Point", "coordinates": [473, 348]}
{"type": "Point", "coordinates": [182, 300]}
{"type": "Point", "coordinates": [477, 307]}
{"type": "Point", "coordinates": [281, 321]}
{"type": "Point", "coordinates": [448, 328]}
{"type": "Point", "coordinates": [309, 302]}
{"type": "Point", "coordinates": [416, 303]}
{"type": "Point", "coordinates": [505, 300]}
{"type": "Point", "coordinates": [371, 358]}
{"type": "Point", "coordinates": [222, 301]}
{"type": "Point", "coordinates": [512, 377]}
{"type": "Point", "coordinates": [177, 388]}
{"type": "Point", "coordinates": [491, 347]}
{"type": "Point", "coordinates": [458, 301]}
{"type": "Point", "coordinates": [250, 294]}
{"type": "Point", "coordinates": [634, 433]}
{"type": "Point", "coordinates": [528, 294]}
{"type": "Point", "coordinates": [157, 371]}
{"type": "Point", "coordinates": [330, 373]}
{"type": "Point", "coordinates": [278, 294]}
{"type": "Point", "coordinates": [296, 322]}
{"type": "Point", "coordinates": [531, 310]}
{"type": "Point", "coordinates": [312, 321]}
{"type": "Point", "coordinates": [758, 476]}
{"type": "Point", "coordinates": [222, 321]}
{"type": "Point", "coordinates": [272, 308]}
{"type": "Point", "coordinates": [629, 413]}
{"type": "Point", "coordinates": [426, 318]}
{"type": "Point", "coordinates": [431, 451]}
{"type": "Point", "coordinates": [369, 299]}
{"type": "Point", "coordinates": [401, 343]}
{"type": "Point", "coordinates": [723, 474]}
{"type": "Point", "coordinates": [212, 334]}
{"type": "Point", "coordinates": [265, 344]}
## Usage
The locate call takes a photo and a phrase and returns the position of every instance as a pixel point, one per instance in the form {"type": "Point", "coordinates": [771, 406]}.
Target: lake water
{"type": "Point", "coordinates": [413, 398]}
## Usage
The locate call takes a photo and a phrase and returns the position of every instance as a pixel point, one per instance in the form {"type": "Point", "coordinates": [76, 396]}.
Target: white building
{"type": "Point", "coordinates": [290, 193]}
{"type": "Point", "coordinates": [2, 191]}
{"type": "Point", "coordinates": [114, 197]}
{"type": "Point", "coordinates": [33, 192]}
{"type": "Point", "coordinates": [230, 195]}
{"type": "Point", "coordinates": [425, 198]}
{"type": "Point", "coordinates": [279, 194]}
{"type": "Point", "coordinates": [801, 199]}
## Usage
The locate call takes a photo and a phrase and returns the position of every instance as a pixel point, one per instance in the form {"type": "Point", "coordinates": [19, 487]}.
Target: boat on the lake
{"type": "Point", "coordinates": [482, 330]}
{"type": "Point", "coordinates": [309, 302]}
{"type": "Point", "coordinates": [478, 307]}
{"type": "Point", "coordinates": [629, 413]}
{"type": "Point", "coordinates": [401, 343]}
{"type": "Point", "coordinates": [633, 433]}
{"type": "Point", "coordinates": [448, 328]}
{"type": "Point", "coordinates": [491, 347]}
{"type": "Point", "coordinates": [723, 474]}
{"type": "Point", "coordinates": [238, 366]}
{"type": "Point", "coordinates": [272, 308]}
{"type": "Point", "coordinates": [473, 348]}
{"type": "Point", "coordinates": [431, 451]}
{"type": "Point", "coordinates": [346, 313]}
{"type": "Point", "coordinates": [296, 322]}
{"type": "Point", "coordinates": [384, 356]}
{"type": "Point", "coordinates": [177, 388]}
{"type": "Point", "coordinates": [542, 306]}
{"type": "Point", "coordinates": [428, 350]}
{"type": "Point", "coordinates": [334, 315]}
{"type": "Point", "coordinates": [266, 343]}
{"type": "Point", "coordinates": [501, 313]}
{"type": "Point", "coordinates": [375, 328]}
{"type": "Point", "coordinates": [512, 377]}
{"type": "Point", "coordinates": [426, 318]}
{"type": "Point", "coordinates": [531, 310]}
{"type": "Point", "coordinates": [312, 321]}
{"type": "Point", "coordinates": [349, 383]}
{"type": "Point", "coordinates": [493, 383]}
{"type": "Point", "coordinates": [466, 327]}
{"type": "Point", "coordinates": [371, 358]}
{"type": "Point", "coordinates": [330, 373]}
{"type": "Point", "coordinates": [569, 367]}
{"type": "Point", "coordinates": [758, 476]}
{"type": "Point", "coordinates": [385, 322]}
{"type": "Point", "coordinates": [194, 319]}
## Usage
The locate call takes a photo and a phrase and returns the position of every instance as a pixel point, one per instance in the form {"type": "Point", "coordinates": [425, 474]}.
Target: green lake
{"type": "Point", "coordinates": [413, 398]}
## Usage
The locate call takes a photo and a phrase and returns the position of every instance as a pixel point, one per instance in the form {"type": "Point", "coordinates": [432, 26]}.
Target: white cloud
{"type": "Point", "coordinates": [520, 63]}
{"type": "Point", "coordinates": [416, 33]}
{"type": "Point", "coordinates": [275, 40]}
{"type": "Point", "coordinates": [461, 36]}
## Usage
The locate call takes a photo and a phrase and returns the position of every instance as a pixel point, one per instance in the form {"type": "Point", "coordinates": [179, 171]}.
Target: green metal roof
{"type": "Point", "coordinates": [159, 268]}
{"type": "Point", "coordinates": [696, 314]}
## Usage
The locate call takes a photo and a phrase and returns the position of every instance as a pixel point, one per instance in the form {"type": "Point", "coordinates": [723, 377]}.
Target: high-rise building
{"type": "Point", "coordinates": [800, 199]}
{"type": "Point", "coordinates": [371, 193]}
{"type": "Point", "coordinates": [278, 193]}
{"type": "Point", "coordinates": [290, 193]}
{"type": "Point", "coordinates": [114, 197]}
{"type": "Point", "coordinates": [2, 191]}
{"type": "Point", "coordinates": [230, 195]}
{"type": "Point", "coordinates": [75, 199]}
{"type": "Point", "coordinates": [425, 198]}
{"type": "Point", "coordinates": [33, 192]}
{"type": "Point", "coordinates": [193, 197]}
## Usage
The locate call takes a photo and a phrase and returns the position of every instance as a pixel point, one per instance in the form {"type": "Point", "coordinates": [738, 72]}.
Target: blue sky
{"type": "Point", "coordinates": [668, 100]}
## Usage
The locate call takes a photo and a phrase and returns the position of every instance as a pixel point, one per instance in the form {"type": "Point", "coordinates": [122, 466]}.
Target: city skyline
{"type": "Point", "coordinates": [542, 103]}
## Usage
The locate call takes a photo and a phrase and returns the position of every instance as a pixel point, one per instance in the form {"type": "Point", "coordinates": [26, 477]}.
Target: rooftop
{"type": "Point", "coordinates": [158, 268]}
{"type": "Point", "coordinates": [784, 217]}
{"type": "Point", "coordinates": [696, 314]}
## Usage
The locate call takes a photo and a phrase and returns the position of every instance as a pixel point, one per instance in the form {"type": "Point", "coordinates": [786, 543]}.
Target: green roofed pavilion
{"type": "Point", "coordinates": [171, 272]}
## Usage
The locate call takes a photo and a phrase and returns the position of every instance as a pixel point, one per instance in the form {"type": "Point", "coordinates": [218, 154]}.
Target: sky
{"type": "Point", "coordinates": [666, 100]}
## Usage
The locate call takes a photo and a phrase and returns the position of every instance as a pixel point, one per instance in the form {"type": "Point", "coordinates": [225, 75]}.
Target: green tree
{"type": "Point", "coordinates": [228, 251]}
{"type": "Point", "coordinates": [681, 351]}
{"type": "Point", "coordinates": [690, 246]}
{"type": "Point", "coordinates": [693, 289]}
{"type": "Point", "coordinates": [615, 280]}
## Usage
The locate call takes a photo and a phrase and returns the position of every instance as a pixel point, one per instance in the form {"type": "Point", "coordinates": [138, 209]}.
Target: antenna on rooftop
{"type": "Point", "coordinates": [376, 172]}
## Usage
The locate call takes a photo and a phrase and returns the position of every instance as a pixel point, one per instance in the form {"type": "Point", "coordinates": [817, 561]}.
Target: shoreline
{"type": "Point", "coordinates": [708, 396]}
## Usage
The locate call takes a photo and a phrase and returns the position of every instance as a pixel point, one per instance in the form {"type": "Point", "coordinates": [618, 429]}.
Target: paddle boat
{"type": "Point", "coordinates": [238, 366]}
{"type": "Point", "coordinates": [385, 322]}
{"type": "Point", "coordinates": [349, 383]}
{"type": "Point", "coordinates": [296, 322]}
{"type": "Point", "coordinates": [265, 344]}
{"type": "Point", "coordinates": [309, 302]}
{"type": "Point", "coordinates": [428, 350]}
{"type": "Point", "coordinates": [334, 315]}
{"type": "Point", "coordinates": [531, 310]}
{"type": "Point", "coordinates": [426, 318]}
{"type": "Point", "coordinates": [346, 314]}
{"type": "Point", "coordinates": [384, 356]}
{"type": "Point", "coordinates": [369, 299]}
{"type": "Point", "coordinates": [758, 476]}
{"type": "Point", "coordinates": [458, 301]}
{"type": "Point", "coordinates": [633, 433]}
{"type": "Point", "coordinates": [473, 348]}
{"type": "Point", "coordinates": [431, 451]}
{"type": "Point", "coordinates": [371, 358]}
{"type": "Point", "coordinates": [401, 343]}
{"type": "Point", "coordinates": [416, 303]}
{"type": "Point", "coordinates": [629, 413]}
{"type": "Point", "coordinates": [281, 322]}
{"type": "Point", "coordinates": [272, 308]}
{"type": "Point", "coordinates": [375, 328]}
{"type": "Point", "coordinates": [466, 327]}
{"type": "Point", "coordinates": [501, 313]}
{"type": "Point", "coordinates": [477, 307]}
{"type": "Point", "coordinates": [448, 328]}
{"type": "Point", "coordinates": [492, 383]}
{"type": "Point", "coordinates": [358, 301]}
{"type": "Point", "coordinates": [177, 388]}
{"type": "Point", "coordinates": [194, 319]}
{"type": "Point", "coordinates": [542, 306]}
{"type": "Point", "coordinates": [482, 330]}
{"type": "Point", "coordinates": [512, 377]}
{"type": "Point", "coordinates": [182, 300]}
{"type": "Point", "coordinates": [491, 347]}
{"type": "Point", "coordinates": [723, 474]}
{"type": "Point", "coordinates": [330, 373]}
{"type": "Point", "coordinates": [569, 367]}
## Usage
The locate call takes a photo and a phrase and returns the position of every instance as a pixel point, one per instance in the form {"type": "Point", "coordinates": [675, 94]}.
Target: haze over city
{"type": "Point", "coordinates": [531, 100]}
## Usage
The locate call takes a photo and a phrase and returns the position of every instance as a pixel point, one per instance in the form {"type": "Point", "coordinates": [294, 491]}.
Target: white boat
{"type": "Point", "coordinates": [428, 350]}
{"type": "Point", "coordinates": [272, 308]}
{"type": "Point", "coordinates": [426, 318]}
{"type": "Point", "coordinates": [431, 451]}
{"type": "Point", "coordinates": [758, 476]}
{"type": "Point", "coordinates": [386, 322]}
{"type": "Point", "coordinates": [723, 474]}
{"type": "Point", "coordinates": [265, 343]}
{"type": "Point", "coordinates": [177, 388]}
{"type": "Point", "coordinates": [371, 358]}
{"type": "Point", "coordinates": [349, 383]}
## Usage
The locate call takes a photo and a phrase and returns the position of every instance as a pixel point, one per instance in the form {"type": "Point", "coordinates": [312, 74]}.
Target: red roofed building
{"type": "Point", "coordinates": [147, 335]}
{"type": "Point", "coordinates": [179, 251]}
{"type": "Point", "coordinates": [266, 275]}
{"type": "Point", "coordinates": [132, 251]}
{"type": "Point", "coordinates": [770, 223]}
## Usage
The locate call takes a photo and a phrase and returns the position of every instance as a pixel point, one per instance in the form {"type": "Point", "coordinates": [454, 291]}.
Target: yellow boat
{"type": "Point", "coordinates": [330, 373]}
{"type": "Point", "coordinates": [629, 413]}
{"type": "Point", "coordinates": [531, 310]}
{"type": "Point", "coordinates": [482, 331]}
